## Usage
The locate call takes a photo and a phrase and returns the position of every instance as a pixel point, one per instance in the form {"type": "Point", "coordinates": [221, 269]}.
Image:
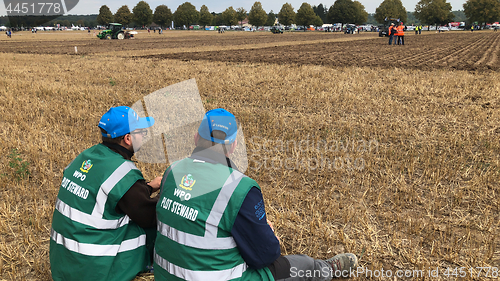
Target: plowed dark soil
{"type": "Point", "coordinates": [477, 51]}
{"type": "Point", "coordinates": [462, 51]}
{"type": "Point", "coordinates": [171, 40]}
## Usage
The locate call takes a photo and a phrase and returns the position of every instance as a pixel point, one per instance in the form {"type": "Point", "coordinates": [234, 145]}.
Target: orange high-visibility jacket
{"type": "Point", "coordinates": [400, 30]}
{"type": "Point", "coordinates": [392, 30]}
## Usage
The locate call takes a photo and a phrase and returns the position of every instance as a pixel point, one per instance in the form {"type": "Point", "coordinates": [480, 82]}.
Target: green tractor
{"type": "Point", "coordinates": [115, 32]}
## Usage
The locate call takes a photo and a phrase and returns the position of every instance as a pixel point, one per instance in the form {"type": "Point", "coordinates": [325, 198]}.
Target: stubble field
{"type": "Point", "coordinates": [389, 152]}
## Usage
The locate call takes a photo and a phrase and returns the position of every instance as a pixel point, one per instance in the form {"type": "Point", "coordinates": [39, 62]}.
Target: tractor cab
{"type": "Point", "coordinates": [115, 27]}
{"type": "Point", "coordinates": [114, 31]}
{"type": "Point", "coordinates": [384, 30]}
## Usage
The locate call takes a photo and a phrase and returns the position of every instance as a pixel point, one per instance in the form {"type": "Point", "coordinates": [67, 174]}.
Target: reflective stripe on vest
{"type": "Point", "coordinates": [213, 220]}
{"type": "Point", "coordinates": [95, 219]}
{"type": "Point", "coordinates": [89, 220]}
{"type": "Point", "coordinates": [187, 274]}
{"type": "Point", "coordinates": [114, 178]}
{"type": "Point", "coordinates": [209, 241]}
{"type": "Point", "coordinates": [95, 249]}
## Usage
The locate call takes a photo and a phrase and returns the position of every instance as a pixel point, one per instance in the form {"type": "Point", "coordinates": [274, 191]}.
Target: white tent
{"type": "Point", "coordinates": [3, 28]}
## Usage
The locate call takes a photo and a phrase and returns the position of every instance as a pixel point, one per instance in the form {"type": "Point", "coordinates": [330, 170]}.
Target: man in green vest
{"type": "Point", "coordinates": [104, 222]}
{"type": "Point", "coordinates": [212, 221]}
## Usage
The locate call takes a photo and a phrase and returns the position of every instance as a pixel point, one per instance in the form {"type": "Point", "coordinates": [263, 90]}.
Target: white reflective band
{"type": "Point", "coordinates": [107, 186]}
{"type": "Point", "coordinates": [209, 241]}
{"type": "Point", "coordinates": [69, 165]}
{"type": "Point", "coordinates": [213, 220]}
{"type": "Point", "coordinates": [95, 249]}
{"type": "Point", "coordinates": [89, 220]}
{"type": "Point", "coordinates": [187, 274]}
{"type": "Point", "coordinates": [186, 239]}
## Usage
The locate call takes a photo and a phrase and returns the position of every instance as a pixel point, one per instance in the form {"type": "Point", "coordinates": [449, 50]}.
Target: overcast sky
{"type": "Point", "coordinates": [85, 7]}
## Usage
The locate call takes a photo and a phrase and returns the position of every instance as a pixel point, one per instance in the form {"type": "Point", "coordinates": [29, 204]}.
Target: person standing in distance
{"type": "Point", "coordinates": [104, 222]}
{"type": "Point", "coordinates": [392, 32]}
{"type": "Point", "coordinates": [212, 222]}
{"type": "Point", "coordinates": [400, 34]}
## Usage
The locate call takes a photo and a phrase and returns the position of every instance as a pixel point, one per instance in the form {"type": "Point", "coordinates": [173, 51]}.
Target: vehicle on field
{"type": "Point", "coordinates": [277, 30]}
{"type": "Point", "coordinates": [350, 28]}
{"type": "Point", "coordinates": [384, 29]}
{"type": "Point", "coordinates": [115, 31]}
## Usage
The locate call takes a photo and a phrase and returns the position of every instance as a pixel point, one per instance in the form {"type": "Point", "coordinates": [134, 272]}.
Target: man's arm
{"type": "Point", "coordinates": [138, 204]}
{"type": "Point", "coordinates": [255, 239]}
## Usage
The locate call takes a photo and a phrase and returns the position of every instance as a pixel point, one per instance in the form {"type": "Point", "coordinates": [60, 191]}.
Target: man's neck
{"type": "Point", "coordinates": [127, 154]}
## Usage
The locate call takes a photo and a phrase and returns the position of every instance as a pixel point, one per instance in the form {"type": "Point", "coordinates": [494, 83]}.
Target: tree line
{"type": "Point", "coordinates": [428, 12]}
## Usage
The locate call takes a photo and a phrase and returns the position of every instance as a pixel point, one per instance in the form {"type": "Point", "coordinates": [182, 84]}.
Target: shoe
{"type": "Point", "coordinates": [343, 262]}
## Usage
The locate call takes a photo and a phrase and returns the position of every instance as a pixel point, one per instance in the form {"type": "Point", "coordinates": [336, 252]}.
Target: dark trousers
{"type": "Point", "coordinates": [390, 39]}
{"type": "Point", "coordinates": [150, 242]}
{"type": "Point", "coordinates": [401, 40]}
{"type": "Point", "coordinates": [292, 268]}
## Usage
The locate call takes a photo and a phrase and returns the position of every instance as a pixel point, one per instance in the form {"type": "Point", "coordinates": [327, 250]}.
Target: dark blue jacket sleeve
{"type": "Point", "coordinates": [255, 239]}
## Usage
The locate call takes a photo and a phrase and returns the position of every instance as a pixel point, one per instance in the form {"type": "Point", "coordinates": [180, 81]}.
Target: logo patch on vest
{"type": "Point", "coordinates": [187, 182]}
{"type": "Point", "coordinates": [86, 165]}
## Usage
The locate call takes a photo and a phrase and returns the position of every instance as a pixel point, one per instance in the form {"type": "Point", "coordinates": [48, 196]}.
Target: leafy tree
{"type": "Point", "coordinates": [205, 16]}
{"type": "Point", "coordinates": [342, 11]}
{"type": "Point", "coordinates": [123, 15]}
{"type": "Point", "coordinates": [411, 19]}
{"type": "Point", "coordinates": [229, 16]}
{"type": "Point", "coordinates": [257, 15]}
{"type": "Point", "coordinates": [434, 12]}
{"type": "Point", "coordinates": [143, 15]}
{"type": "Point", "coordinates": [162, 16]}
{"type": "Point", "coordinates": [317, 21]}
{"type": "Point", "coordinates": [371, 19]}
{"type": "Point", "coordinates": [321, 11]}
{"type": "Point", "coordinates": [305, 15]}
{"type": "Point", "coordinates": [186, 14]}
{"type": "Point", "coordinates": [390, 9]}
{"type": "Point", "coordinates": [241, 14]}
{"type": "Point", "coordinates": [482, 11]}
{"type": "Point", "coordinates": [459, 16]}
{"type": "Point", "coordinates": [361, 14]}
{"type": "Point", "coordinates": [286, 16]}
{"type": "Point", "coordinates": [217, 19]}
{"type": "Point", "coordinates": [271, 18]}
{"type": "Point", "coordinates": [105, 16]}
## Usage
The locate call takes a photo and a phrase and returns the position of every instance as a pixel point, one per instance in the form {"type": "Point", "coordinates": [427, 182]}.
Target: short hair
{"type": "Point", "coordinates": [116, 140]}
{"type": "Point", "coordinates": [222, 148]}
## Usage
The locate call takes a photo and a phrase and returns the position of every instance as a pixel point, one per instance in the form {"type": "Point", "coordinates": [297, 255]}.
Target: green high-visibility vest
{"type": "Point", "coordinates": [89, 239]}
{"type": "Point", "coordinates": [196, 211]}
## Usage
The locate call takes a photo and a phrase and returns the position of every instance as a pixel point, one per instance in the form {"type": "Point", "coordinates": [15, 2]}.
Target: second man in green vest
{"type": "Point", "coordinates": [212, 221]}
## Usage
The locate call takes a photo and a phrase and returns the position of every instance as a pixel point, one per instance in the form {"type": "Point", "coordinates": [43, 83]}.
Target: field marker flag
{"type": "Point", "coordinates": [178, 111]}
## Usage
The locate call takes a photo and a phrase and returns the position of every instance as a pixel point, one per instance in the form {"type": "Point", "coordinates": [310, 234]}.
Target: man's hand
{"type": "Point", "coordinates": [155, 184]}
{"type": "Point", "coordinates": [270, 224]}
{"type": "Point", "coordinates": [272, 228]}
